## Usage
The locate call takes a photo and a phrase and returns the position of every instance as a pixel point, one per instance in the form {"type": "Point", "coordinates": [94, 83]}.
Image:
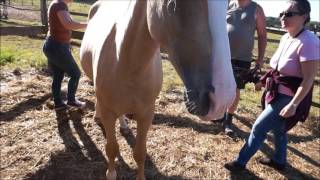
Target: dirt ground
{"type": "Point", "coordinates": [38, 143]}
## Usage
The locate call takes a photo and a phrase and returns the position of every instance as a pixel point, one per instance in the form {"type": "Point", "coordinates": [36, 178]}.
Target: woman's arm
{"type": "Point", "coordinates": [309, 71]}
{"type": "Point", "coordinates": [68, 22]}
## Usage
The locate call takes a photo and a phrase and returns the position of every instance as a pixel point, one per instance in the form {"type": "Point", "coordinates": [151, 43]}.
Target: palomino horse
{"type": "Point", "coordinates": [120, 53]}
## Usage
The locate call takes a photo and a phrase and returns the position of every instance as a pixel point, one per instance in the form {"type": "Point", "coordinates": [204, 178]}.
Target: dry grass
{"type": "Point", "coordinates": [37, 143]}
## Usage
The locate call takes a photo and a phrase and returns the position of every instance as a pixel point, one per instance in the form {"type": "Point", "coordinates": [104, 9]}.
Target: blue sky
{"type": "Point", "coordinates": [274, 7]}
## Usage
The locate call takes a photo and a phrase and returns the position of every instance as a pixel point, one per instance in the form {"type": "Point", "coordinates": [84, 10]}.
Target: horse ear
{"type": "Point", "coordinates": [171, 7]}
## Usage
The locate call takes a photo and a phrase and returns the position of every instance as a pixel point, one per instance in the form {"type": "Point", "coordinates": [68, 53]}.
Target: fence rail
{"type": "Point", "coordinates": [275, 30]}
{"type": "Point", "coordinates": [77, 9]}
{"type": "Point", "coordinates": [79, 14]}
{"type": "Point", "coordinates": [18, 8]}
{"type": "Point", "coordinates": [282, 31]}
{"type": "Point", "coordinates": [79, 35]}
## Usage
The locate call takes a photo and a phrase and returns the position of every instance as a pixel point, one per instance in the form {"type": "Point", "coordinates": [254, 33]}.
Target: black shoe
{"type": "Point", "coordinates": [77, 104]}
{"type": "Point", "coordinates": [273, 164]}
{"type": "Point", "coordinates": [60, 106]}
{"type": "Point", "coordinates": [228, 130]}
{"type": "Point", "coordinates": [217, 121]}
{"type": "Point", "coordinates": [234, 166]}
{"type": "Point", "coordinates": [227, 124]}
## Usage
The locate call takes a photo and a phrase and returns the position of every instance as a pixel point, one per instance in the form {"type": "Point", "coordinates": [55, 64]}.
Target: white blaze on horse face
{"type": "Point", "coordinates": [223, 79]}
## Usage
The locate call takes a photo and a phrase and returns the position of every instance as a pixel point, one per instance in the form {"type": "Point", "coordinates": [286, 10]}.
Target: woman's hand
{"type": "Point", "coordinates": [309, 71]}
{"type": "Point", "coordinates": [289, 110]}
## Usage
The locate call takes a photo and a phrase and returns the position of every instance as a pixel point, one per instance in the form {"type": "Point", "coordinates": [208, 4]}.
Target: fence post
{"type": "Point", "coordinates": [44, 15]}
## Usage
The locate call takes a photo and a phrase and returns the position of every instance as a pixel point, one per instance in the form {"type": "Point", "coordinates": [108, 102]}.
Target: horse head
{"type": "Point", "coordinates": [120, 53]}
{"type": "Point", "coordinates": [183, 29]}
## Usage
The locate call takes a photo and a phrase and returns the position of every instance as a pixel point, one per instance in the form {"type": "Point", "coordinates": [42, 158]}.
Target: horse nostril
{"type": "Point", "coordinates": [197, 103]}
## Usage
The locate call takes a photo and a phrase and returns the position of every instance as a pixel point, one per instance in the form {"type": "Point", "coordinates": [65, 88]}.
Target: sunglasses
{"type": "Point", "coordinates": [289, 14]}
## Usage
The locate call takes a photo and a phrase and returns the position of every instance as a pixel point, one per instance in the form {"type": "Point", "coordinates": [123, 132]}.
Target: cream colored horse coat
{"type": "Point", "coordinates": [120, 52]}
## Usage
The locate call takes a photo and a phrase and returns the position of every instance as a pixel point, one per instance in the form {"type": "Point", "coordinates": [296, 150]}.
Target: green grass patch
{"type": "Point", "coordinates": [21, 51]}
{"type": "Point", "coordinates": [81, 8]}
{"type": "Point", "coordinates": [171, 79]}
{"type": "Point", "coordinates": [7, 56]}
{"type": "Point", "coordinates": [272, 45]}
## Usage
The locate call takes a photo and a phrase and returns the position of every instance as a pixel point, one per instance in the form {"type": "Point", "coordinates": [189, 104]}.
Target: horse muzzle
{"type": "Point", "coordinates": [198, 102]}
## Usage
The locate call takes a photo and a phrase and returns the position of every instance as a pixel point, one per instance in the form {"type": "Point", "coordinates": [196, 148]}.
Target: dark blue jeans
{"type": "Point", "coordinates": [60, 61]}
{"type": "Point", "coordinates": [268, 120]}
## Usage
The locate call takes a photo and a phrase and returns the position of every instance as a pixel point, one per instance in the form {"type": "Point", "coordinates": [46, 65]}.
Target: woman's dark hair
{"type": "Point", "coordinates": [303, 7]}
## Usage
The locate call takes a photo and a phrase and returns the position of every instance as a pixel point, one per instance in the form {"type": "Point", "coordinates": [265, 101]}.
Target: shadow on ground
{"type": "Point", "coordinates": [290, 172]}
{"type": "Point", "coordinates": [84, 160]}
{"type": "Point", "coordinates": [22, 107]}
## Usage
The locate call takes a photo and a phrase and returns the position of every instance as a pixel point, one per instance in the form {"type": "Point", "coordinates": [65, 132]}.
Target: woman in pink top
{"type": "Point", "coordinates": [297, 57]}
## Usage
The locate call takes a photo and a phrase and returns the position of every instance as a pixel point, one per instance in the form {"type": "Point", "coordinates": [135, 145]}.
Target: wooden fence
{"type": "Point", "coordinates": [41, 7]}
{"type": "Point", "coordinates": [38, 9]}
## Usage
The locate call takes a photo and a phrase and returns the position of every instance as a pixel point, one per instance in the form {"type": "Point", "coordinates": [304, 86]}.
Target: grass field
{"type": "Point", "coordinates": [36, 146]}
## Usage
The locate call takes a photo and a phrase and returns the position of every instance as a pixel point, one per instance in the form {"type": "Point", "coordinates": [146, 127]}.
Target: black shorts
{"type": "Point", "coordinates": [240, 69]}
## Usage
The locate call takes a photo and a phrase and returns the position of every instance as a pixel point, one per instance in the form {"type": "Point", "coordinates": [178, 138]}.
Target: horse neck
{"type": "Point", "coordinates": [137, 47]}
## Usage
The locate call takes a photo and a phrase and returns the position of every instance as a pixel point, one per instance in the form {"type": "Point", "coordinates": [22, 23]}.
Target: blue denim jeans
{"type": "Point", "coordinates": [268, 120]}
{"type": "Point", "coordinates": [60, 61]}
